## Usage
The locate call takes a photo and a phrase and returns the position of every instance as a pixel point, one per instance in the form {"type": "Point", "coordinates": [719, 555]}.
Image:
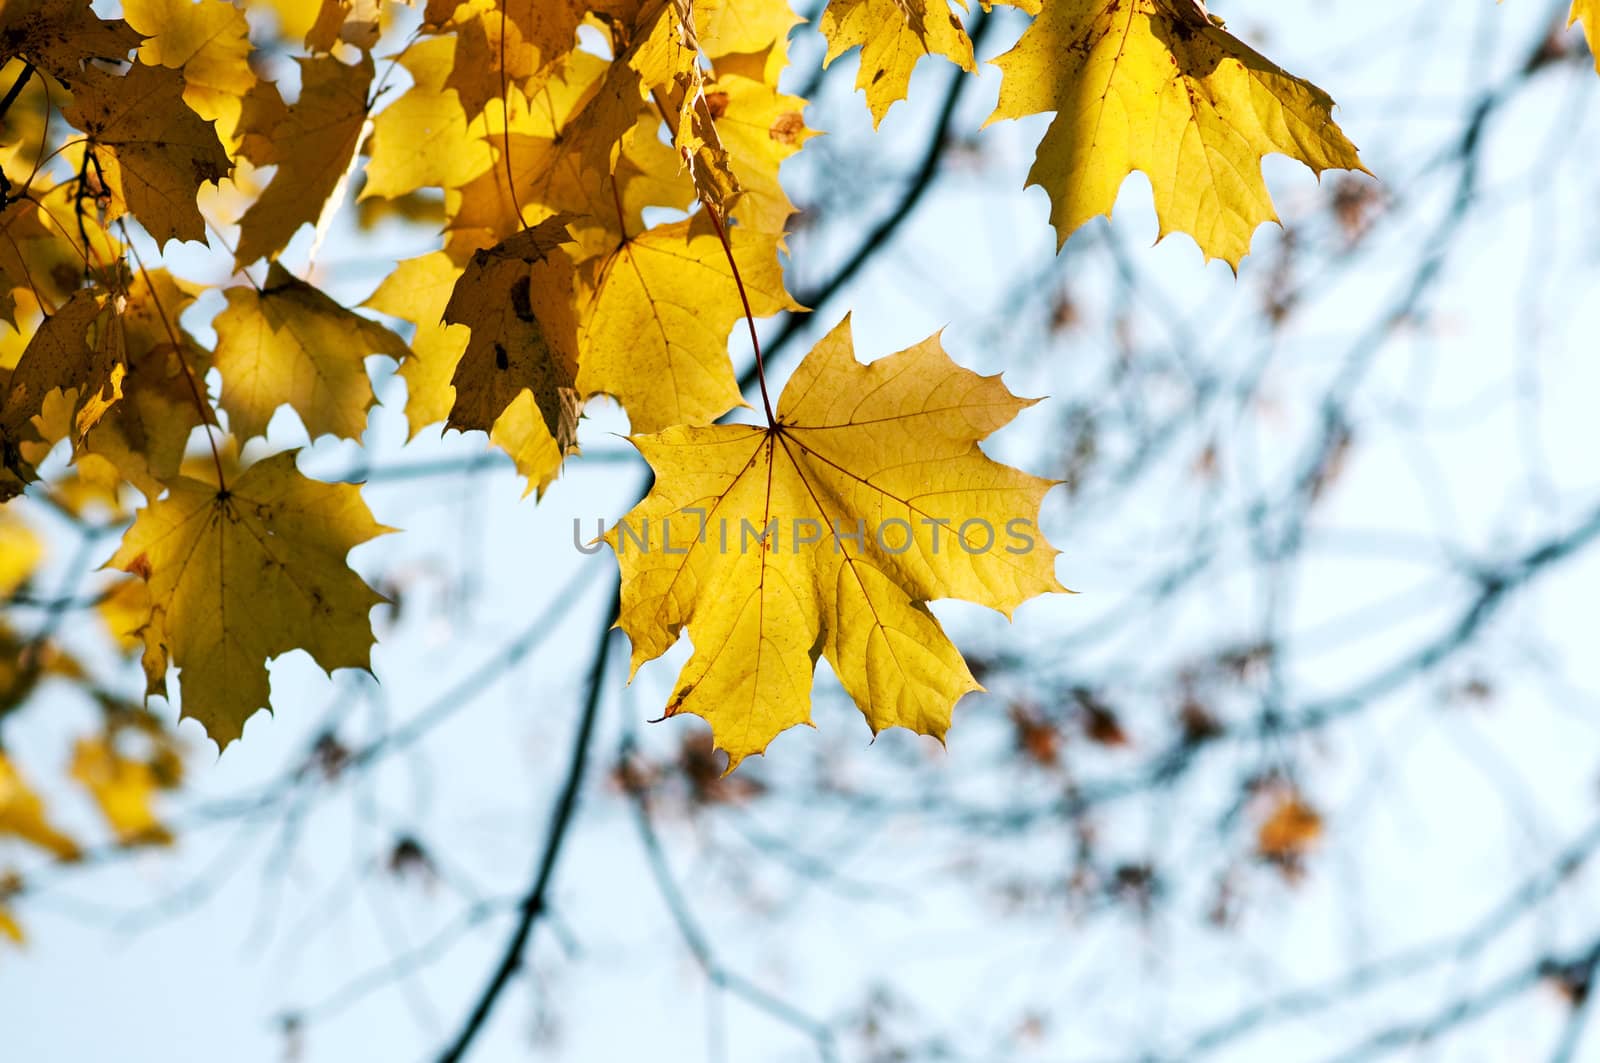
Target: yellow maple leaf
{"type": "Point", "coordinates": [311, 142]}
{"type": "Point", "coordinates": [22, 815]}
{"type": "Point", "coordinates": [209, 41]}
{"type": "Point", "coordinates": [55, 35]}
{"type": "Point", "coordinates": [161, 151]}
{"type": "Point", "coordinates": [760, 128]}
{"type": "Point", "coordinates": [20, 552]}
{"type": "Point", "coordinates": [516, 298]}
{"type": "Point", "coordinates": [288, 343]}
{"type": "Point", "coordinates": [522, 433]}
{"type": "Point", "coordinates": [828, 534]}
{"type": "Point", "coordinates": [488, 61]}
{"type": "Point", "coordinates": [163, 400]}
{"type": "Point", "coordinates": [737, 27]}
{"type": "Point", "coordinates": [893, 35]}
{"type": "Point", "coordinates": [417, 291]}
{"type": "Point", "coordinates": [654, 331]}
{"type": "Point", "coordinates": [1135, 86]}
{"type": "Point", "coordinates": [123, 788]}
{"type": "Point", "coordinates": [423, 137]}
{"type": "Point", "coordinates": [76, 356]}
{"type": "Point", "coordinates": [243, 574]}
{"type": "Point", "coordinates": [1588, 12]}
{"type": "Point", "coordinates": [666, 53]}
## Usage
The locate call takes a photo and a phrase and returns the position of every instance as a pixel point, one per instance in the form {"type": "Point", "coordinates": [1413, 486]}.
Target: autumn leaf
{"type": "Point", "coordinates": [654, 332]}
{"type": "Point", "coordinates": [893, 35]}
{"type": "Point", "coordinates": [1289, 828]}
{"type": "Point", "coordinates": [737, 27]}
{"type": "Point", "coordinates": [423, 138]}
{"type": "Point", "coordinates": [312, 142]}
{"type": "Point", "coordinates": [77, 350]}
{"type": "Point", "coordinates": [1136, 87]}
{"type": "Point", "coordinates": [242, 574]}
{"type": "Point", "coordinates": [20, 552]}
{"type": "Point", "coordinates": [163, 391]}
{"type": "Point", "coordinates": [417, 291]}
{"type": "Point", "coordinates": [22, 815]}
{"type": "Point", "coordinates": [516, 299]}
{"type": "Point", "coordinates": [760, 127]}
{"type": "Point", "coordinates": [1588, 12]}
{"type": "Point", "coordinates": [288, 343]}
{"type": "Point", "coordinates": [483, 58]}
{"type": "Point", "coordinates": [829, 533]}
{"type": "Point", "coordinates": [58, 35]}
{"type": "Point", "coordinates": [123, 788]}
{"type": "Point", "coordinates": [209, 41]}
{"type": "Point", "coordinates": [37, 261]}
{"type": "Point", "coordinates": [161, 152]}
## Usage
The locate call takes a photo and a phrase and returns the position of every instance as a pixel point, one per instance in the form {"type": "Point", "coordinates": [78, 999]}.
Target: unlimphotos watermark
{"type": "Point", "coordinates": [894, 535]}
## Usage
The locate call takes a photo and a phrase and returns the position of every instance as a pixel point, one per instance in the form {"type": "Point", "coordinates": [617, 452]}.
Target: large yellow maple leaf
{"type": "Point", "coordinates": [893, 35]}
{"type": "Point", "coordinates": [655, 330]}
{"type": "Point", "coordinates": [827, 534]}
{"type": "Point", "coordinates": [1137, 85]}
{"type": "Point", "coordinates": [242, 574]}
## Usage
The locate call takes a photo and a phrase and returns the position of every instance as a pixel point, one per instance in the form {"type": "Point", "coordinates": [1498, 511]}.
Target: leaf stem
{"type": "Point", "coordinates": [727, 249]}
{"type": "Point", "coordinates": [749, 315]}
{"type": "Point", "coordinates": [207, 418]}
{"type": "Point", "coordinates": [505, 107]}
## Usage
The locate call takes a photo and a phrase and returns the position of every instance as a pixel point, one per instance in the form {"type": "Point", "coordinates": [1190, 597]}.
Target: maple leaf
{"type": "Point", "coordinates": [77, 350]}
{"type": "Point", "coordinates": [22, 815]}
{"type": "Point", "coordinates": [1588, 12]}
{"type": "Point", "coordinates": [422, 138]}
{"type": "Point", "coordinates": [893, 35]}
{"type": "Point", "coordinates": [143, 436]}
{"type": "Point", "coordinates": [736, 27]}
{"type": "Point", "coordinates": [161, 151]}
{"type": "Point", "coordinates": [417, 291]}
{"type": "Point", "coordinates": [242, 574]}
{"type": "Point", "coordinates": [666, 54]}
{"type": "Point", "coordinates": [288, 343]}
{"type": "Point", "coordinates": [654, 333]}
{"type": "Point", "coordinates": [209, 41]}
{"type": "Point", "coordinates": [516, 298]}
{"type": "Point", "coordinates": [123, 788]}
{"type": "Point", "coordinates": [747, 554]}
{"type": "Point", "coordinates": [1137, 87]}
{"type": "Point", "coordinates": [760, 128]}
{"type": "Point", "coordinates": [486, 61]}
{"type": "Point", "coordinates": [312, 142]}
{"type": "Point", "coordinates": [20, 552]}
{"type": "Point", "coordinates": [58, 35]}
